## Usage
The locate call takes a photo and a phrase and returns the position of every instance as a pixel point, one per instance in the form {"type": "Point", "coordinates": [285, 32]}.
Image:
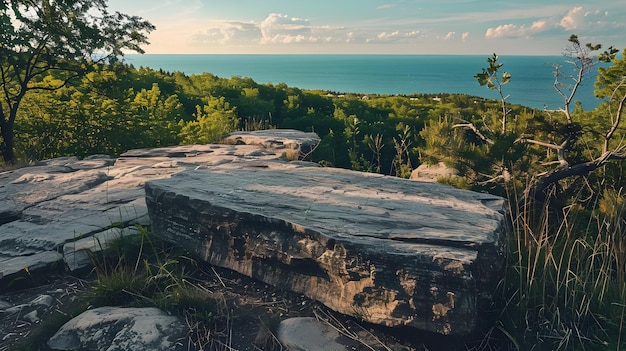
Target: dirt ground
{"type": "Point", "coordinates": [250, 311]}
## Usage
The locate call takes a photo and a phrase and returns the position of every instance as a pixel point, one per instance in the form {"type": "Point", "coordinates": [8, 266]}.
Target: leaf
{"type": "Point", "coordinates": [506, 77]}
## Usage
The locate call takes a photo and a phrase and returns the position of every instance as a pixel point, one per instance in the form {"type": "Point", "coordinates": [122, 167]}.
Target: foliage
{"type": "Point", "coordinates": [145, 271]}
{"type": "Point", "coordinates": [98, 115]}
{"type": "Point", "coordinates": [212, 122]}
{"type": "Point", "coordinates": [489, 77]}
{"type": "Point", "coordinates": [562, 172]}
{"type": "Point", "coordinates": [61, 37]}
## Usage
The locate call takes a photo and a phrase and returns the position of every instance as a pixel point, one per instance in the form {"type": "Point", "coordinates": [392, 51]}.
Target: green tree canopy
{"type": "Point", "coordinates": [38, 37]}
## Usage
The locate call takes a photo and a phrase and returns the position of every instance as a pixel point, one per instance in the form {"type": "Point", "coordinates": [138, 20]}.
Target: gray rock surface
{"type": "Point", "coordinates": [276, 139]}
{"type": "Point", "coordinates": [307, 333]}
{"type": "Point", "coordinates": [115, 328]}
{"type": "Point", "coordinates": [386, 250]}
{"type": "Point", "coordinates": [430, 173]}
{"type": "Point", "coordinates": [50, 208]}
{"type": "Point", "coordinates": [30, 311]}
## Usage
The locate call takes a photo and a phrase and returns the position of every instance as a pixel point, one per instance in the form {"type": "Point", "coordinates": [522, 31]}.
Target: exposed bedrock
{"type": "Point", "coordinates": [389, 251]}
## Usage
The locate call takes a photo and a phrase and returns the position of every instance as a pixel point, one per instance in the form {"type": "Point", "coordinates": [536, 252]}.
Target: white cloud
{"type": "Point", "coordinates": [514, 31]}
{"type": "Point", "coordinates": [589, 22]}
{"type": "Point", "coordinates": [385, 35]}
{"type": "Point", "coordinates": [501, 31]}
{"type": "Point", "coordinates": [573, 19]}
{"type": "Point", "coordinates": [282, 25]}
{"type": "Point", "coordinates": [228, 33]}
{"type": "Point", "coordinates": [412, 34]}
{"type": "Point", "coordinates": [274, 29]}
{"type": "Point", "coordinates": [593, 23]}
{"type": "Point", "coordinates": [386, 6]}
{"type": "Point", "coordinates": [539, 26]}
{"type": "Point", "coordinates": [392, 37]}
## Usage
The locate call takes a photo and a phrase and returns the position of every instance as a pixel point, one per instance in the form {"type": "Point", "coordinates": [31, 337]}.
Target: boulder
{"type": "Point", "coordinates": [276, 139]}
{"type": "Point", "coordinates": [116, 328]}
{"type": "Point", "coordinates": [430, 173]}
{"type": "Point", "coordinates": [386, 250]}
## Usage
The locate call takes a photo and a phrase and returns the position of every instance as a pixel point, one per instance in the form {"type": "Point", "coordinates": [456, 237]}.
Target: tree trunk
{"type": "Point", "coordinates": [7, 144]}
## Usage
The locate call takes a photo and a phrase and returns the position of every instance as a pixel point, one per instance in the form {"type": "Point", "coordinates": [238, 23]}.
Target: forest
{"type": "Point", "coordinates": [117, 107]}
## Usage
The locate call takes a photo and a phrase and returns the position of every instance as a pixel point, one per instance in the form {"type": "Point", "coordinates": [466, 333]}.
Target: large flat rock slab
{"type": "Point", "coordinates": [49, 206]}
{"type": "Point", "coordinates": [386, 250]}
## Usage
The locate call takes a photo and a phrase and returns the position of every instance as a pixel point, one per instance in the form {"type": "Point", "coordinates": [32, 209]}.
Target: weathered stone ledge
{"type": "Point", "coordinates": [387, 250]}
{"type": "Point", "coordinates": [53, 209]}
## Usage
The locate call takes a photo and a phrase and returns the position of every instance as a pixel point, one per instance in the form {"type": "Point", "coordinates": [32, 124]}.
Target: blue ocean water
{"type": "Point", "coordinates": [531, 83]}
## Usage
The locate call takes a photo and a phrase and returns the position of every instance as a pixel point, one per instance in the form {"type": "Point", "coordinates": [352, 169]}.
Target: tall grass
{"type": "Point", "coordinates": [145, 271]}
{"type": "Point", "coordinates": [564, 287]}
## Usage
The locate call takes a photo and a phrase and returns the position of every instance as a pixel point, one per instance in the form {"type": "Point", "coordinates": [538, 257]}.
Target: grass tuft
{"type": "Point", "coordinates": [144, 271]}
{"type": "Point", "coordinates": [564, 287]}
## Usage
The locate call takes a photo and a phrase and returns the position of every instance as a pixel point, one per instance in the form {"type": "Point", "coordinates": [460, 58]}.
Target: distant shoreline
{"type": "Point", "coordinates": [386, 74]}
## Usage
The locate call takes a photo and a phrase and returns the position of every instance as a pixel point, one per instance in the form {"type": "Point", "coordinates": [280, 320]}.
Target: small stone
{"type": "Point", "coordinates": [32, 316]}
{"type": "Point", "coordinates": [4, 305]}
{"type": "Point", "coordinates": [307, 333]}
{"type": "Point", "coordinates": [42, 300]}
{"type": "Point", "coordinates": [117, 329]}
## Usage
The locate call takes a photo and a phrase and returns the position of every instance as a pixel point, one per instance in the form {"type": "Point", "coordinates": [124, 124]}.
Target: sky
{"type": "Point", "coordinates": [459, 27]}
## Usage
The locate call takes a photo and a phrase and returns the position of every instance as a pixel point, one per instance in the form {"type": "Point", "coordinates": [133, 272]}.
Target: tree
{"type": "Point", "coordinates": [545, 153]}
{"type": "Point", "coordinates": [609, 85]}
{"type": "Point", "coordinates": [213, 120]}
{"type": "Point", "coordinates": [489, 77]}
{"type": "Point", "coordinates": [39, 37]}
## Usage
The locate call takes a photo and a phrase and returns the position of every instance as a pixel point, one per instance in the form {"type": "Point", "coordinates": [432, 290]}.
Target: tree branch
{"type": "Point", "coordinates": [560, 149]}
{"type": "Point", "coordinates": [618, 116]}
{"type": "Point", "coordinates": [543, 180]}
{"type": "Point", "coordinates": [476, 131]}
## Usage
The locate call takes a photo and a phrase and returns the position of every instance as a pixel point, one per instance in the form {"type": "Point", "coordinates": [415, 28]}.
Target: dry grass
{"type": "Point", "coordinates": [564, 288]}
{"type": "Point", "coordinates": [4, 167]}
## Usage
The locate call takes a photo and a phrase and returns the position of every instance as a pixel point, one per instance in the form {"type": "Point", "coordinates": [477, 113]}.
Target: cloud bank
{"type": "Point", "coordinates": [280, 29]}
{"type": "Point", "coordinates": [576, 19]}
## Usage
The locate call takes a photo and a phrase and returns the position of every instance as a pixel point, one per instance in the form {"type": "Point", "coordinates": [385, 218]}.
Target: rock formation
{"type": "Point", "coordinates": [386, 250]}
{"type": "Point", "coordinates": [51, 209]}
{"type": "Point", "coordinates": [120, 329]}
{"type": "Point", "coordinates": [430, 173]}
{"type": "Point", "coordinates": [389, 251]}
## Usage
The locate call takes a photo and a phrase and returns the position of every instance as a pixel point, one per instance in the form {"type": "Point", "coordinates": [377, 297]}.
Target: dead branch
{"type": "Point", "coordinates": [618, 115]}
{"type": "Point", "coordinates": [560, 149]}
{"type": "Point", "coordinates": [545, 179]}
{"type": "Point", "coordinates": [473, 128]}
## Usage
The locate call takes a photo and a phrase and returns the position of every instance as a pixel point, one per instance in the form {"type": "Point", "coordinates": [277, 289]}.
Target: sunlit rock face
{"type": "Point", "coordinates": [54, 210]}
{"type": "Point", "coordinates": [386, 250]}
{"type": "Point", "coordinates": [389, 251]}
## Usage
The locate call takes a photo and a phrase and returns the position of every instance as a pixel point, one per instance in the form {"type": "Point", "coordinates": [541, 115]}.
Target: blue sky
{"type": "Point", "coordinates": [529, 27]}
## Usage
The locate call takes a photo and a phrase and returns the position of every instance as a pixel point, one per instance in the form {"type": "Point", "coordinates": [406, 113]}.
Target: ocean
{"type": "Point", "coordinates": [531, 82]}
